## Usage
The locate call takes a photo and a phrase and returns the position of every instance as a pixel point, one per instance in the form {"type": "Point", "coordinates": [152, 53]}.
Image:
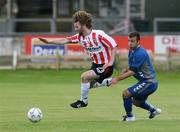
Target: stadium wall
{"type": "Point", "coordinates": [32, 53]}
{"type": "Point", "coordinates": [31, 43]}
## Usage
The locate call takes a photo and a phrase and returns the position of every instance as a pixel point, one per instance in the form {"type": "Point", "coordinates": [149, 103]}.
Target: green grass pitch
{"type": "Point", "coordinates": [52, 91]}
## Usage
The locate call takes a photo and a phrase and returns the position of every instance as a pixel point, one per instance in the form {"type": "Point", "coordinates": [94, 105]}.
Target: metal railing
{"type": "Point", "coordinates": [10, 21]}
{"type": "Point", "coordinates": [52, 23]}
{"type": "Point", "coordinates": [162, 20]}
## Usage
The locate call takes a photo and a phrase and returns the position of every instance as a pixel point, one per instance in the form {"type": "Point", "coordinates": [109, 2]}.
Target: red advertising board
{"type": "Point", "coordinates": [146, 41]}
{"type": "Point", "coordinates": [31, 41]}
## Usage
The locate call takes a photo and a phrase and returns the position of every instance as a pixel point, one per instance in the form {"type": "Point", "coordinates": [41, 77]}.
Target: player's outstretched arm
{"type": "Point", "coordinates": [60, 41]}
{"type": "Point", "coordinates": [122, 76]}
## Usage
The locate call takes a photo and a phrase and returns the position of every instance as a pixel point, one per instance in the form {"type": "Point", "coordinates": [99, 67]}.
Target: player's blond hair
{"type": "Point", "coordinates": [83, 18]}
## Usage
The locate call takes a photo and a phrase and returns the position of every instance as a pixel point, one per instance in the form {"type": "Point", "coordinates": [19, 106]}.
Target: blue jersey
{"type": "Point", "coordinates": [140, 63]}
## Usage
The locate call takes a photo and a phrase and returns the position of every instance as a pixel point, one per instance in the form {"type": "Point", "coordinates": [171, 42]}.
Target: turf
{"type": "Point", "coordinates": [52, 91]}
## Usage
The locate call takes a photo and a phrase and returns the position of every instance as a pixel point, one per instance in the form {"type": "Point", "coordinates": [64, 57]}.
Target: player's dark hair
{"type": "Point", "coordinates": [83, 18]}
{"type": "Point", "coordinates": [134, 34]}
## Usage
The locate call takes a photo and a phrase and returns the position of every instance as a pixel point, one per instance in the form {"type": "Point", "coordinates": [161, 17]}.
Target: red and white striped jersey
{"type": "Point", "coordinates": [98, 44]}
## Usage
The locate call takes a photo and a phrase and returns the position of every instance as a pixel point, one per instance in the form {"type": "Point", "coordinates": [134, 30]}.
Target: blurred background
{"type": "Point", "coordinates": [52, 88]}
{"type": "Point", "coordinates": [23, 21]}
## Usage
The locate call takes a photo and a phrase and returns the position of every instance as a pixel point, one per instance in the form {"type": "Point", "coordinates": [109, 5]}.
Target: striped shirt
{"type": "Point", "coordinates": [98, 44]}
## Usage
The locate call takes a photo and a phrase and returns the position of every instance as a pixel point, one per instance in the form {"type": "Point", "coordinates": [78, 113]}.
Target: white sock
{"type": "Point", "coordinates": [105, 82]}
{"type": "Point", "coordinates": [84, 92]}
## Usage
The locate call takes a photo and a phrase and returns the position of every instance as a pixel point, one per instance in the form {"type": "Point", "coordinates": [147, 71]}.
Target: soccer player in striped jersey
{"type": "Point", "coordinates": [101, 48]}
{"type": "Point", "coordinates": [141, 68]}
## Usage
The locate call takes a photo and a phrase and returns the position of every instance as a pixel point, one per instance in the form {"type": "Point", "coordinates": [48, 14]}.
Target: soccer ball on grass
{"type": "Point", "coordinates": [34, 114]}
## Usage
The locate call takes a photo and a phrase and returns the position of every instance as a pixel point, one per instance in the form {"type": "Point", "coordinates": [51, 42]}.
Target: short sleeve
{"type": "Point", "coordinates": [107, 40]}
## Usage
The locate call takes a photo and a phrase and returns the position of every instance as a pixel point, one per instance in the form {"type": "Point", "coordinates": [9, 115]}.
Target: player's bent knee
{"type": "Point", "coordinates": [126, 94]}
{"type": "Point", "coordinates": [136, 103]}
{"type": "Point", "coordinates": [85, 78]}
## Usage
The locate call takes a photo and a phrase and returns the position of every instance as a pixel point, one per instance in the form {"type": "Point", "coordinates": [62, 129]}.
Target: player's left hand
{"type": "Point", "coordinates": [105, 66]}
{"type": "Point", "coordinates": [113, 81]}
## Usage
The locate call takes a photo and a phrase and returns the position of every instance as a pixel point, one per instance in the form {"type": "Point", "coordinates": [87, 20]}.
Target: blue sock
{"type": "Point", "coordinates": [147, 106]}
{"type": "Point", "coordinates": [128, 106]}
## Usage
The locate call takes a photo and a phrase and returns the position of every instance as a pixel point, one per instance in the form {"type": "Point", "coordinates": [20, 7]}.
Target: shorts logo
{"type": "Point", "coordinates": [140, 86]}
{"type": "Point", "coordinates": [100, 70]}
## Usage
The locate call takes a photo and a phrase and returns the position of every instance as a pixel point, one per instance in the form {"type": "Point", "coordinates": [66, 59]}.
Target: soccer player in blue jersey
{"type": "Point", "coordinates": [141, 68]}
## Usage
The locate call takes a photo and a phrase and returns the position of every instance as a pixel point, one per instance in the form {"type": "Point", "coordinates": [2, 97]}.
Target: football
{"type": "Point", "coordinates": [34, 114]}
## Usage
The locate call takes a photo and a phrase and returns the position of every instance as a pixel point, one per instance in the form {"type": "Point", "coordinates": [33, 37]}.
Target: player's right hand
{"type": "Point", "coordinates": [43, 40]}
{"type": "Point", "coordinates": [113, 81]}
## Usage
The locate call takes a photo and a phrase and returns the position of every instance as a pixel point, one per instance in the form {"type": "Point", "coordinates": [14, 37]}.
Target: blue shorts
{"type": "Point", "coordinates": [141, 90]}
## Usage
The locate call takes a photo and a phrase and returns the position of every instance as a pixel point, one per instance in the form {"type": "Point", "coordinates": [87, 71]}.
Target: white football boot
{"type": "Point", "coordinates": [155, 113]}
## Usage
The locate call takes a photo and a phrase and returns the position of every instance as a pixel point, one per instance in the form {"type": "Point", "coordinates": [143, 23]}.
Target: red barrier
{"type": "Point", "coordinates": [122, 41]}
